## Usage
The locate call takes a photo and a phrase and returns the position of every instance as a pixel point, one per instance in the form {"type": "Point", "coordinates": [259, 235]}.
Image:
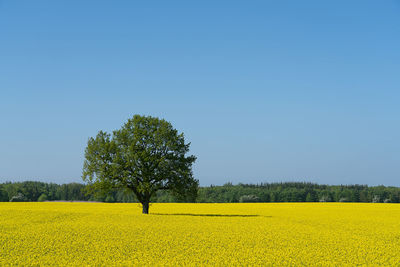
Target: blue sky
{"type": "Point", "coordinates": [266, 91]}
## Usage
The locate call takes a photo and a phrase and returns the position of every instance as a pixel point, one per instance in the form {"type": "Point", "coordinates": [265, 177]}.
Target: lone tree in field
{"type": "Point", "coordinates": [146, 155]}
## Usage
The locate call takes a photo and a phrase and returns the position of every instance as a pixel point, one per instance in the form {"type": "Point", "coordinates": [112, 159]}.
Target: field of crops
{"type": "Point", "coordinates": [199, 234]}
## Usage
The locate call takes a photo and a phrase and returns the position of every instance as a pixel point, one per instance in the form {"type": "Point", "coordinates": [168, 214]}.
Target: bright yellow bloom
{"type": "Point", "coordinates": [76, 234]}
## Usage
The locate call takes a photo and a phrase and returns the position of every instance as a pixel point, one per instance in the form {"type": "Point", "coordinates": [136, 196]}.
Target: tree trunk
{"type": "Point", "coordinates": [145, 205]}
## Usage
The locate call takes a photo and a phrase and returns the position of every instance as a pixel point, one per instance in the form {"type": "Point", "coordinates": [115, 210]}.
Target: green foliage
{"type": "Point", "coordinates": [145, 156]}
{"type": "Point", "coordinates": [18, 198]}
{"type": "Point", "coordinates": [376, 199]}
{"type": "Point", "coordinates": [276, 192]}
{"type": "Point", "coordinates": [43, 197]}
{"type": "Point", "coordinates": [298, 192]}
{"type": "Point", "coordinates": [249, 198]}
{"type": "Point", "coordinates": [71, 191]}
{"type": "Point", "coordinates": [311, 197]}
{"type": "Point", "coordinates": [109, 199]}
{"type": "Point", "coordinates": [32, 191]}
{"type": "Point", "coordinates": [3, 194]}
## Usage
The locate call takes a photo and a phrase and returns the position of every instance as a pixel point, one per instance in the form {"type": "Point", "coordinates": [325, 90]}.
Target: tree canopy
{"type": "Point", "coordinates": [145, 156]}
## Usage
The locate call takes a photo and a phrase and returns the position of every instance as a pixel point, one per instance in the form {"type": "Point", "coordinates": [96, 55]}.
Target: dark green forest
{"type": "Point", "coordinates": [228, 193]}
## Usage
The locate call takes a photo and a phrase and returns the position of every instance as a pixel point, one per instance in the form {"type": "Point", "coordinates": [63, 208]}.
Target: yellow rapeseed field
{"type": "Point", "coordinates": [76, 234]}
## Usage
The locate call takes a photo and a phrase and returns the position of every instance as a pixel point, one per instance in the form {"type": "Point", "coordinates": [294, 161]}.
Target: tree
{"type": "Point", "coordinates": [146, 155]}
{"type": "Point", "coordinates": [249, 198]}
{"type": "Point", "coordinates": [3, 194]}
{"type": "Point", "coordinates": [18, 198]}
{"type": "Point", "coordinates": [43, 197]}
{"type": "Point", "coordinates": [310, 198]}
{"type": "Point", "coordinates": [109, 199]}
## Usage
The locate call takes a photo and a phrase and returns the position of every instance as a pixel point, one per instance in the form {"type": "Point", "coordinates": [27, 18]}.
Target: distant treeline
{"type": "Point", "coordinates": [228, 193]}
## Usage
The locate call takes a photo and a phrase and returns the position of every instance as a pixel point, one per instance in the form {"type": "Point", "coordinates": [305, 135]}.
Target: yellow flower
{"type": "Point", "coordinates": [312, 234]}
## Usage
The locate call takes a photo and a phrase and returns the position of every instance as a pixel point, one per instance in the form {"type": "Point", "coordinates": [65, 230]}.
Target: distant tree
{"type": "Point", "coordinates": [376, 199]}
{"type": "Point", "coordinates": [275, 196]}
{"type": "Point", "coordinates": [325, 198]}
{"type": "Point", "coordinates": [249, 198]}
{"type": "Point", "coordinates": [364, 196]}
{"type": "Point", "coordinates": [146, 155]}
{"type": "Point", "coordinates": [264, 197]}
{"type": "Point", "coordinates": [18, 198]}
{"type": "Point", "coordinates": [43, 197]}
{"type": "Point", "coordinates": [355, 196]}
{"type": "Point", "coordinates": [75, 191]}
{"type": "Point", "coordinates": [274, 192]}
{"type": "Point", "coordinates": [125, 195]}
{"type": "Point", "coordinates": [110, 199]}
{"type": "Point", "coordinates": [3, 194]}
{"type": "Point", "coordinates": [396, 196]}
{"type": "Point", "coordinates": [310, 198]}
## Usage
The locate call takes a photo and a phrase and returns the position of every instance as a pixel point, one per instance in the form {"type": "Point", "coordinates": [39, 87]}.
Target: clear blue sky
{"type": "Point", "coordinates": [266, 91]}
